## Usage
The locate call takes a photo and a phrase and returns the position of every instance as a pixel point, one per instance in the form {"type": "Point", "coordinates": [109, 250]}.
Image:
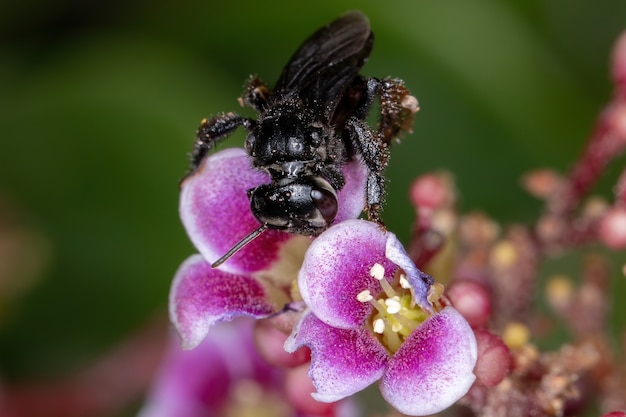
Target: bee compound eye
{"type": "Point", "coordinates": [326, 202]}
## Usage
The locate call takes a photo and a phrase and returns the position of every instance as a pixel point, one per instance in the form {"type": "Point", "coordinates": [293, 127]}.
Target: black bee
{"type": "Point", "coordinates": [309, 125]}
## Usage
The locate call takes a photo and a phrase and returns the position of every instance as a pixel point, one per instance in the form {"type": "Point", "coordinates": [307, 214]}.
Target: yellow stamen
{"type": "Point", "coordinates": [393, 305]}
{"type": "Point", "coordinates": [407, 325]}
{"type": "Point", "coordinates": [396, 327]}
{"type": "Point", "coordinates": [395, 313]}
{"type": "Point", "coordinates": [392, 340]}
{"type": "Point", "coordinates": [389, 291]}
{"type": "Point", "coordinates": [380, 306]}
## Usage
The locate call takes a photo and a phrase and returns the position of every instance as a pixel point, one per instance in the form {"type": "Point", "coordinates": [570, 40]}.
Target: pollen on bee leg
{"type": "Point", "coordinates": [409, 102]}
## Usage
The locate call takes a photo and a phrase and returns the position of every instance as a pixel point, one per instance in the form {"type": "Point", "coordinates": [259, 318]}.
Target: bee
{"type": "Point", "coordinates": [310, 125]}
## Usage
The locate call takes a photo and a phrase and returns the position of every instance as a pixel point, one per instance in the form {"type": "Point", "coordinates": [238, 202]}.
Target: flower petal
{"type": "Point", "coordinates": [420, 281]}
{"type": "Point", "coordinates": [202, 296]}
{"type": "Point", "coordinates": [336, 269]}
{"type": "Point", "coordinates": [343, 362]}
{"type": "Point", "coordinates": [197, 382]}
{"type": "Point", "coordinates": [351, 198]}
{"type": "Point", "coordinates": [215, 210]}
{"type": "Point", "coordinates": [433, 368]}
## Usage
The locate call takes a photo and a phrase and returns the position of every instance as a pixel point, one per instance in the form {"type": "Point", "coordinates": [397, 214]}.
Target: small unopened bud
{"type": "Point", "coordinates": [472, 301]}
{"type": "Point", "coordinates": [543, 183]}
{"type": "Point", "coordinates": [612, 228]}
{"type": "Point", "coordinates": [430, 192]}
{"type": "Point", "coordinates": [494, 359]}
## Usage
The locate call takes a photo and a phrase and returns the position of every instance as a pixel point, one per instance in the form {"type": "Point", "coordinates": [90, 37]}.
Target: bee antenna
{"type": "Point", "coordinates": [239, 245]}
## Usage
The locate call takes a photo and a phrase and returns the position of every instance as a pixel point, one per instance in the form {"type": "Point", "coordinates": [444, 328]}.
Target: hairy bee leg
{"type": "Point", "coordinates": [397, 107]}
{"type": "Point", "coordinates": [368, 90]}
{"type": "Point", "coordinates": [334, 175]}
{"type": "Point", "coordinates": [212, 131]}
{"type": "Point", "coordinates": [256, 95]}
{"type": "Point", "coordinates": [330, 168]}
{"type": "Point", "coordinates": [374, 154]}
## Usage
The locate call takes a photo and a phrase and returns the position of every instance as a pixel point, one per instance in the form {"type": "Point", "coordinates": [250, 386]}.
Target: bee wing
{"type": "Point", "coordinates": [328, 61]}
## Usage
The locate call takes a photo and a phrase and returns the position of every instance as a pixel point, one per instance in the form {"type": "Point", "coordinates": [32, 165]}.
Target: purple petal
{"type": "Point", "coordinates": [336, 269]}
{"type": "Point", "coordinates": [433, 368]}
{"type": "Point", "coordinates": [215, 210]}
{"type": "Point", "coordinates": [351, 198]}
{"type": "Point", "coordinates": [420, 281]}
{"type": "Point", "coordinates": [197, 382]}
{"type": "Point", "coordinates": [343, 362]}
{"type": "Point", "coordinates": [202, 296]}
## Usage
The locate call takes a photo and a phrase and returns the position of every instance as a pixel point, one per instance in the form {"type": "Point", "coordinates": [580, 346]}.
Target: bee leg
{"type": "Point", "coordinates": [363, 90]}
{"type": "Point", "coordinates": [256, 95]}
{"type": "Point", "coordinates": [212, 131]}
{"type": "Point", "coordinates": [397, 107]}
{"type": "Point", "coordinates": [334, 175]}
{"type": "Point", "coordinates": [374, 153]}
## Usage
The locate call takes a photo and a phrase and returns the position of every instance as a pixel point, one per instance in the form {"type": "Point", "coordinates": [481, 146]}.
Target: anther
{"type": "Point", "coordinates": [379, 326]}
{"type": "Point", "coordinates": [404, 283]}
{"type": "Point", "coordinates": [435, 292]}
{"type": "Point", "coordinates": [393, 305]}
{"type": "Point", "coordinates": [364, 296]}
{"type": "Point", "coordinates": [377, 271]}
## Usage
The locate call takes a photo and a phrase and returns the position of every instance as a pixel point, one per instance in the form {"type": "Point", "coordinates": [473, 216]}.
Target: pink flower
{"type": "Point", "coordinates": [225, 376]}
{"type": "Point", "coordinates": [215, 211]}
{"type": "Point", "coordinates": [203, 381]}
{"type": "Point", "coordinates": [373, 315]}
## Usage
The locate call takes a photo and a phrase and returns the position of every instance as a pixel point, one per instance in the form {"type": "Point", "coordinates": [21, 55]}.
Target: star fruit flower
{"type": "Point", "coordinates": [224, 376]}
{"type": "Point", "coordinates": [372, 315]}
{"type": "Point", "coordinates": [215, 210]}
{"type": "Point", "coordinates": [209, 380]}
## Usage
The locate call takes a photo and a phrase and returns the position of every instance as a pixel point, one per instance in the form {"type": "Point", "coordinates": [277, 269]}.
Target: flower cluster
{"type": "Point", "coordinates": [255, 282]}
{"type": "Point", "coordinates": [354, 301]}
{"type": "Point", "coordinates": [364, 309]}
{"type": "Point", "coordinates": [223, 374]}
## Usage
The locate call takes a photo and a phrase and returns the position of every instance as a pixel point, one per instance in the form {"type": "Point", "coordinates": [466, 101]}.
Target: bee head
{"type": "Point", "coordinates": [304, 205]}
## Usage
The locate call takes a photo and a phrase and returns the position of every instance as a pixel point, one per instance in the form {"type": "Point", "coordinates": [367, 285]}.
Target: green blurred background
{"type": "Point", "coordinates": [99, 102]}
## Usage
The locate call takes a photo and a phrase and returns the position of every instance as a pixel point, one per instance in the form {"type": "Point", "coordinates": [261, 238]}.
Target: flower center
{"type": "Point", "coordinates": [395, 314]}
